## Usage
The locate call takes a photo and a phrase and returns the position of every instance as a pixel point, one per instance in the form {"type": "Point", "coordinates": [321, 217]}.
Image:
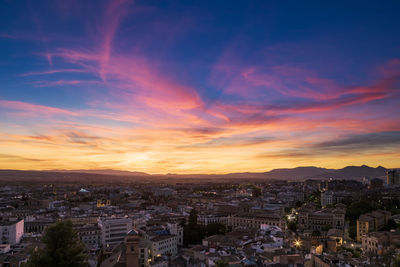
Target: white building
{"type": "Point", "coordinates": [177, 230]}
{"type": "Point", "coordinates": [206, 219]}
{"type": "Point", "coordinates": [163, 245]}
{"type": "Point", "coordinates": [114, 230]}
{"type": "Point", "coordinates": [11, 232]}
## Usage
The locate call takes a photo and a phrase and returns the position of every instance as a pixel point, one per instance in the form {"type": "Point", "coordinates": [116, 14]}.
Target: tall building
{"type": "Point", "coordinates": [163, 245]}
{"type": "Point", "coordinates": [327, 198]}
{"type": "Point", "coordinates": [133, 251]}
{"type": "Point", "coordinates": [11, 232]}
{"type": "Point", "coordinates": [114, 230]}
{"type": "Point", "coordinates": [177, 230]}
{"type": "Point", "coordinates": [393, 177]}
{"type": "Point", "coordinates": [372, 222]}
{"type": "Point", "coordinates": [132, 248]}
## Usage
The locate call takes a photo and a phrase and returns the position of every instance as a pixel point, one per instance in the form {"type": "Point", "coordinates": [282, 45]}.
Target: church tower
{"type": "Point", "coordinates": [132, 249]}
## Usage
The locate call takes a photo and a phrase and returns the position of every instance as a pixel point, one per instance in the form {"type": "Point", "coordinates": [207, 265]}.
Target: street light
{"type": "Point", "coordinates": [297, 243]}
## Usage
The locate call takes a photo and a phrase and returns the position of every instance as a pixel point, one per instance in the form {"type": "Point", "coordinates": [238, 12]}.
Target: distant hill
{"type": "Point", "coordinates": [106, 172]}
{"type": "Point", "coordinates": [301, 173]}
{"type": "Point", "coordinates": [109, 176]}
{"type": "Point", "coordinates": [294, 173]}
{"type": "Point", "coordinates": [355, 172]}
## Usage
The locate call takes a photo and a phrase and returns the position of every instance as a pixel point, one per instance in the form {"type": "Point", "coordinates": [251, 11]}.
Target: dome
{"type": "Point", "coordinates": [133, 232]}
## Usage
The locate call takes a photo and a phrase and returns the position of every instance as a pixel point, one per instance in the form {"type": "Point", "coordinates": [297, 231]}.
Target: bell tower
{"type": "Point", "coordinates": [132, 249]}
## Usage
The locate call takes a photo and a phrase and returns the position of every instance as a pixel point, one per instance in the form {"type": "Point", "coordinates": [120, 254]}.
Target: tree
{"type": "Point", "coordinates": [182, 223]}
{"type": "Point", "coordinates": [193, 218]}
{"type": "Point", "coordinates": [397, 261]}
{"type": "Point", "coordinates": [316, 233]}
{"type": "Point", "coordinates": [353, 229]}
{"type": "Point", "coordinates": [62, 248]}
{"type": "Point", "coordinates": [299, 204]}
{"type": "Point", "coordinates": [355, 209]}
{"type": "Point", "coordinates": [390, 225]}
{"type": "Point", "coordinates": [292, 226]}
{"type": "Point", "coordinates": [215, 229]}
{"type": "Point", "coordinates": [221, 263]}
{"type": "Point", "coordinates": [192, 232]}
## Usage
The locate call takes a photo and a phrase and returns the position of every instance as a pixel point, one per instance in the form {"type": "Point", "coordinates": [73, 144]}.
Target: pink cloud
{"type": "Point", "coordinates": [34, 108]}
{"type": "Point", "coordinates": [114, 13]}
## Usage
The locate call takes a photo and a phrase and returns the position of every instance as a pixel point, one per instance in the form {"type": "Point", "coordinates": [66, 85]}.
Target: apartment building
{"type": "Point", "coordinates": [163, 245]}
{"type": "Point", "coordinates": [177, 230]}
{"type": "Point", "coordinates": [372, 222]}
{"type": "Point", "coordinates": [114, 230]}
{"type": "Point", "coordinates": [11, 231]}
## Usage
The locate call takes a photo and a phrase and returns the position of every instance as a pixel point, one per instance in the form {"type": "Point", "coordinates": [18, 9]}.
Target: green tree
{"type": "Point", "coordinates": [193, 218]}
{"type": "Point", "coordinates": [63, 248]}
{"type": "Point", "coordinates": [182, 223]}
{"type": "Point", "coordinates": [299, 204]}
{"type": "Point", "coordinates": [354, 210]}
{"type": "Point", "coordinates": [292, 226]}
{"type": "Point", "coordinates": [316, 233]}
{"type": "Point", "coordinates": [215, 229]}
{"type": "Point", "coordinates": [397, 261]}
{"type": "Point", "coordinates": [221, 263]}
{"type": "Point", "coordinates": [193, 233]}
{"type": "Point", "coordinates": [353, 229]}
{"type": "Point", "coordinates": [391, 225]}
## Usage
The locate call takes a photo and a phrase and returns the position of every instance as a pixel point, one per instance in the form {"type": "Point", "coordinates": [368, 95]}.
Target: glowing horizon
{"type": "Point", "coordinates": [205, 88]}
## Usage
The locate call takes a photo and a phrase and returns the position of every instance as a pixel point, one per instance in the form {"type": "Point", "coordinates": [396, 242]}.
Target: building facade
{"type": "Point", "coordinates": [163, 245]}
{"type": "Point", "coordinates": [177, 230]}
{"type": "Point", "coordinates": [114, 230]}
{"type": "Point", "coordinates": [11, 231]}
{"type": "Point", "coordinates": [256, 220]}
{"type": "Point", "coordinates": [329, 218]}
{"type": "Point", "coordinates": [205, 219]}
{"type": "Point", "coordinates": [90, 236]}
{"type": "Point", "coordinates": [327, 198]}
{"type": "Point", "coordinates": [372, 222]}
{"type": "Point", "coordinates": [393, 177]}
{"type": "Point", "coordinates": [375, 243]}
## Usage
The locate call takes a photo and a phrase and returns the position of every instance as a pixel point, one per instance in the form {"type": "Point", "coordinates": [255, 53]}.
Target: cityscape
{"type": "Point", "coordinates": [129, 221]}
{"type": "Point", "coordinates": [199, 133]}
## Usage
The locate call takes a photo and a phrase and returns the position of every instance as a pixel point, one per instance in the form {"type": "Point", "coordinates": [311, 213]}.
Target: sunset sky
{"type": "Point", "coordinates": [199, 86]}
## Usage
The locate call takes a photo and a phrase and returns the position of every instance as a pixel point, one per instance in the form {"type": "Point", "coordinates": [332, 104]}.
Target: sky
{"type": "Point", "coordinates": [199, 86]}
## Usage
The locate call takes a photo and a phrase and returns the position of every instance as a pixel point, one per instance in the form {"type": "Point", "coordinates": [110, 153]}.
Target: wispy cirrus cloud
{"type": "Point", "coordinates": [52, 71]}
{"type": "Point", "coordinates": [34, 108]}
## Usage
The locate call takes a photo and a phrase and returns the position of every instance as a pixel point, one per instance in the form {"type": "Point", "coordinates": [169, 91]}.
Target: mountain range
{"type": "Point", "coordinates": [299, 173]}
